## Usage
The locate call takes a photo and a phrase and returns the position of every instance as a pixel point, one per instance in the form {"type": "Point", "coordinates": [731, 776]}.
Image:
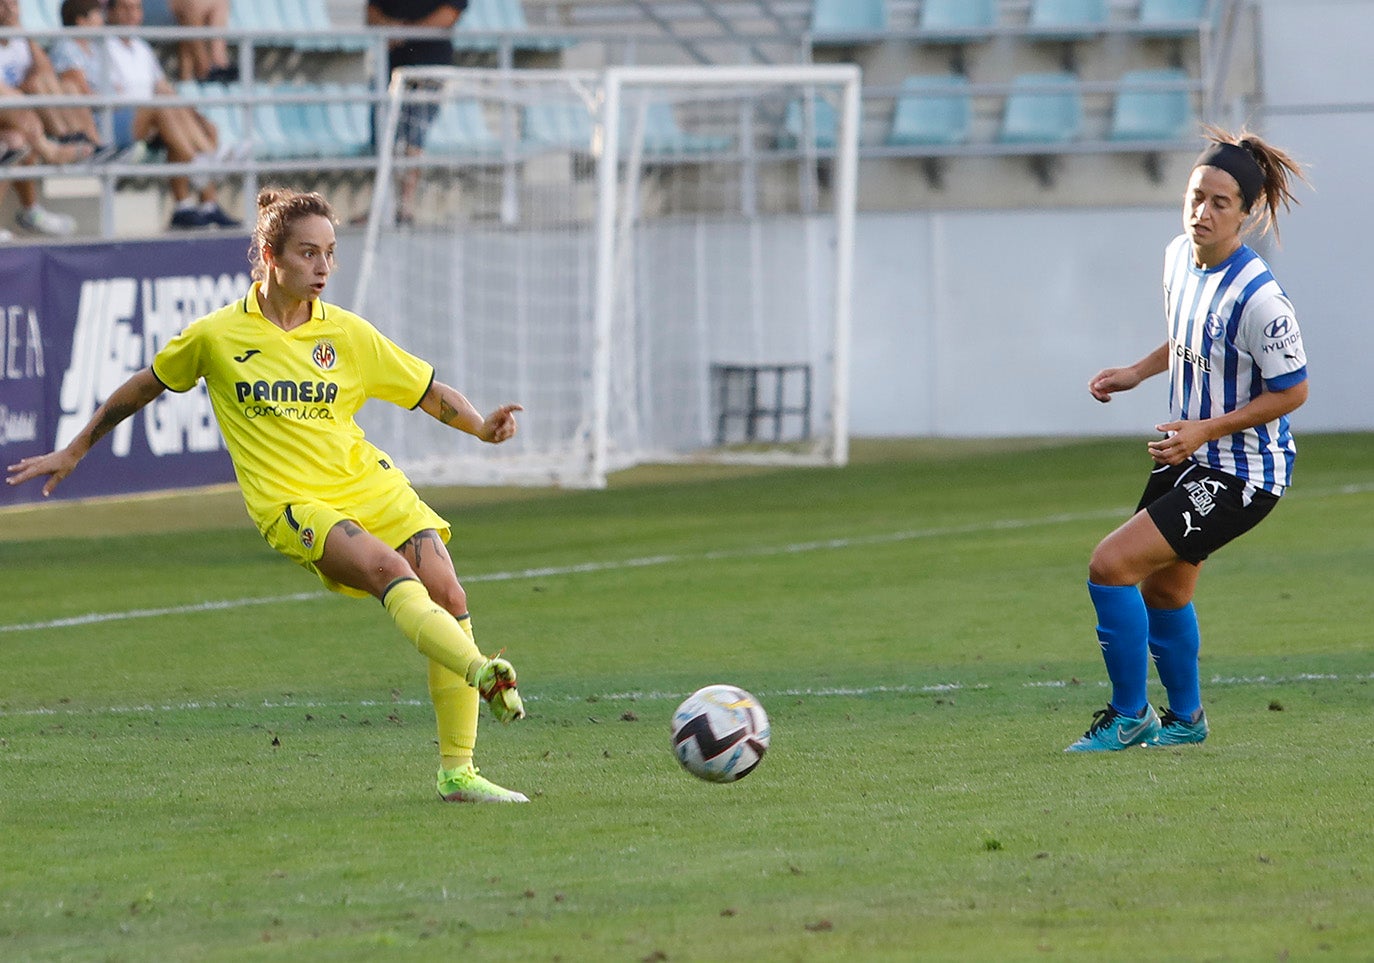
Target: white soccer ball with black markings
{"type": "Point", "coordinates": [720, 733]}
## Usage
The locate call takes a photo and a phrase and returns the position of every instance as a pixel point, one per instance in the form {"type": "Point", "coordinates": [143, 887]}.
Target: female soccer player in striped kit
{"type": "Point", "coordinates": [286, 372]}
{"type": "Point", "coordinates": [1236, 370]}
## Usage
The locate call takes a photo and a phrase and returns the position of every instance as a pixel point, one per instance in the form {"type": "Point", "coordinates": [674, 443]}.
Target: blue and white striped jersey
{"type": "Point", "coordinates": [1232, 334]}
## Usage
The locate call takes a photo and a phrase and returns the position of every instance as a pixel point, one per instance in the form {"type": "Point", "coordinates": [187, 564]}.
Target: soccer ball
{"type": "Point", "coordinates": [720, 733]}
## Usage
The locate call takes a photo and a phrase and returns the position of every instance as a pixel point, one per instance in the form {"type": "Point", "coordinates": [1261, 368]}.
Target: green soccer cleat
{"type": "Point", "coordinates": [1175, 730]}
{"type": "Point", "coordinates": [1111, 731]}
{"type": "Point", "coordinates": [467, 785]}
{"type": "Point", "coordinates": [495, 681]}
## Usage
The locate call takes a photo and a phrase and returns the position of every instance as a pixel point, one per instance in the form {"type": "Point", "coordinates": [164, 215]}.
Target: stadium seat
{"type": "Point", "coordinates": [1152, 115]}
{"type": "Point", "coordinates": [227, 118]}
{"type": "Point", "coordinates": [843, 21]}
{"type": "Point", "coordinates": [663, 135]}
{"type": "Point", "coordinates": [1043, 109]}
{"type": "Point", "coordinates": [40, 15]}
{"type": "Point", "coordinates": [931, 111]}
{"type": "Point", "coordinates": [1172, 11]}
{"type": "Point", "coordinates": [1175, 20]}
{"type": "Point", "coordinates": [557, 125]}
{"type": "Point", "coordinates": [826, 129]}
{"type": "Point", "coordinates": [505, 16]}
{"type": "Point", "coordinates": [351, 120]}
{"type": "Point", "coordinates": [311, 20]}
{"type": "Point", "coordinates": [1067, 19]}
{"type": "Point", "coordinates": [460, 128]}
{"type": "Point", "coordinates": [957, 21]}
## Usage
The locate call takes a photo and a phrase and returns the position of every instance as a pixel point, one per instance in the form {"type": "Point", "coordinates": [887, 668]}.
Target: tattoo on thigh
{"type": "Point", "coordinates": [413, 548]}
{"type": "Point", "coordinates": [350, 527]}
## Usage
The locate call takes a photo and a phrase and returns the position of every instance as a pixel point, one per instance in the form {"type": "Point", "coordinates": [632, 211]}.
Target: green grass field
{"type": "Point", "coordinates": [203, 756]}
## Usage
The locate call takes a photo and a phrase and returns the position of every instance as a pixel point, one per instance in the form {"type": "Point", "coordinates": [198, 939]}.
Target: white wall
{"type": "Point", "coordinates": [990, 323]}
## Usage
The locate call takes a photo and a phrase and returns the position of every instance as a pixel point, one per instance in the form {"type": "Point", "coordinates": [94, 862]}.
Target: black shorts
{"type": "Point", "coordinates": [1198, 510]}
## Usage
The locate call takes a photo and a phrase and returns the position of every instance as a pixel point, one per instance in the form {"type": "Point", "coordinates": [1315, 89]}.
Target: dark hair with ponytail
{"type": "Point", "coordinates": [1277, 166]}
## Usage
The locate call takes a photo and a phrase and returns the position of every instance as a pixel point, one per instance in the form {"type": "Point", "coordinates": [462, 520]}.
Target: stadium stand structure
{"type": "Point", "coordinates": [945, 84]}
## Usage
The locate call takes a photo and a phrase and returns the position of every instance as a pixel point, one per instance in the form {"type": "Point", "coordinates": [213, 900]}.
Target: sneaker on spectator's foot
{"type": "Point", "coordinates": [1175, 730]}
{"type": "Point", "coordinates": [39, 220]}
{"type": "Point", "coordinates": [1111, 731]}
{"type": "Point", "coordinates": [467, 785]}
{"type": "Point", "coordinates": [189, 217]}
{"type": "Point", "coordinates": [495, 682]}
{"type": "Point", "coordinates": [216, 216]}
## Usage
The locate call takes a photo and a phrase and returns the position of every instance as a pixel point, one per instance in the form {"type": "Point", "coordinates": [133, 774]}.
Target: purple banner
{"type": "Point", "coordinates": [77, 322]}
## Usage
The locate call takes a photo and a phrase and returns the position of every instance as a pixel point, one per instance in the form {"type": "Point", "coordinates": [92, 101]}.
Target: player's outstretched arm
{"type": "Point", "coordinates": [449, 405]}
{"type": "Point", "coordinates": [128, 398]}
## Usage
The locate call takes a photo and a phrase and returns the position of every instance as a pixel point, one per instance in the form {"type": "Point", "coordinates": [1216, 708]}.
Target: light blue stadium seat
{"type": "Point", "coordinates": [311, 19]}
{"type": "Point", "coordinates": [1177, 19]}
{"type": "Point", "coordinates": [664, 136]}
{"type": "Point", "coordinates": [957, 20]}
{"type": "Point", "coordinates": [839, 21]}
{"type": "Point", "coordinates": [461, 128]}
{"type": "Point", "coordinates": [1152, 115]}
{"type": "Point", "coordinates": [1043, 109]}
{"type": "Point", "coordinates": [40, 15]}
{"type": "Point", "coordinates": [825, 130]}
{"type": "Point", "coordinates": [1067, 19]}
{"type": "Point", "coordinates": [1173, 11]}
{"type": "Point", "coordinates": [507, 16]}
{"type": "Point", "coordinates": [260, 15]}
{"type": "Point", "coordinates": [227, 118]}
{"type": "Point", "coordinates": [557, 125]}
{"type": "Point", "coordinates": [932, 111]}
{"type": "Point", "coordinates": [350, 120]}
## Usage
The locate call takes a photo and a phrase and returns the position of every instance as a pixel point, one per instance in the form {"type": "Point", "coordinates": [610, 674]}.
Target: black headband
{"type": "Point", "coordinates": [1240, 164]}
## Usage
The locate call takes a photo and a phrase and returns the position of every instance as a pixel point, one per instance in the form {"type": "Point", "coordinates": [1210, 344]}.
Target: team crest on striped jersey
{"type": "Point", "coordinates": [324, 355]}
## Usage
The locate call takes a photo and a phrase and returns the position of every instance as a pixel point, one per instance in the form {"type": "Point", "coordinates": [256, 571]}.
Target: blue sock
{"type": "Point", "coordinates": [1123, 630]}
{"type": "Point", "coordinates": [1174, 644]}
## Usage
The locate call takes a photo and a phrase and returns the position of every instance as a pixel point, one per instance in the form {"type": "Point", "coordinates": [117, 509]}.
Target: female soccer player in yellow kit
{"type": "Point", "coordinates": [286, 373]}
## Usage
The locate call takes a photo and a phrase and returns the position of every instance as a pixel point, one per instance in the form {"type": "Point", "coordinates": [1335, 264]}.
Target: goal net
{"type": "Point", "coordinates": [655, 262]}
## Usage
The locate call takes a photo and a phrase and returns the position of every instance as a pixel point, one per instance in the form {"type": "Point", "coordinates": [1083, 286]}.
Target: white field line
{"type": "Point", "coordinates": [583, 568]}
{"type": "Point", "coordinates": [764, 695]}
{"type": "Point", "coordinates": [858, 541]}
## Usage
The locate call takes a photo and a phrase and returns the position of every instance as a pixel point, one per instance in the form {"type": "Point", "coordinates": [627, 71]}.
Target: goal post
{"type": "Point", "coordinates": [657, 262]}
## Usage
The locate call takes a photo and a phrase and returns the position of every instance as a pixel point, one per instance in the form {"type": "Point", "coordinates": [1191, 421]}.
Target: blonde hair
{"type": "Point", "coordinates": [1279, 169]}
{"type": "Point", "coordinates": [279, 208]}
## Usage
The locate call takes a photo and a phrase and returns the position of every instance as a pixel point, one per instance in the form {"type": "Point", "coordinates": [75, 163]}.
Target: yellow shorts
{"type": "Point", "coordinates": [392, 515]}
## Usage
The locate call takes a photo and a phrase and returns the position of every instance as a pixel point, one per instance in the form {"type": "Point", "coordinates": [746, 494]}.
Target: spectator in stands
{"type": "Point", "coordinates": [14, 148]}
{"type": "Point", "coordinates": [24, 67]}
{"type": "Point", "coordinates": [205, 60]}
{"type": "Point", "coordinates": [415, 118]}
{"type": "Point", "coordinates": [23, 139]}
{"type": "Point", "coordinates": [127, 66]}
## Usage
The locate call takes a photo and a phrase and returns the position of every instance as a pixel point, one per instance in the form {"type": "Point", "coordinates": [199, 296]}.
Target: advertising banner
{"type": "Point", "coordinates": [77, 322]}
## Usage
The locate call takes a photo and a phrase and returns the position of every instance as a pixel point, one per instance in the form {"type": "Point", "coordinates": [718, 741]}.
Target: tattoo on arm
{"type": "Point", "coordinates": [447, 413]}
{"type": "Point", "coordinates": [112, 417]}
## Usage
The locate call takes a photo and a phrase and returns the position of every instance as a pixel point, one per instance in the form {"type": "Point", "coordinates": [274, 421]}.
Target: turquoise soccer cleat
{"type": "Point", "coordinates": [1175, 730]}
{"type": "Point", "coordinates": [1111, 731]}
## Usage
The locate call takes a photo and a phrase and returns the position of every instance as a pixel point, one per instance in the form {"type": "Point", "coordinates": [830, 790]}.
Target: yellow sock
{"type": "Point", "coordinates": [435, 632]}
{"type": "Point", "coordinates": [455, 714]}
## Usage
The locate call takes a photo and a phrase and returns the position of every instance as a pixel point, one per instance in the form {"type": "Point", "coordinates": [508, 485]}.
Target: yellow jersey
{"type": "Point", "coordinates": [285, 400]}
